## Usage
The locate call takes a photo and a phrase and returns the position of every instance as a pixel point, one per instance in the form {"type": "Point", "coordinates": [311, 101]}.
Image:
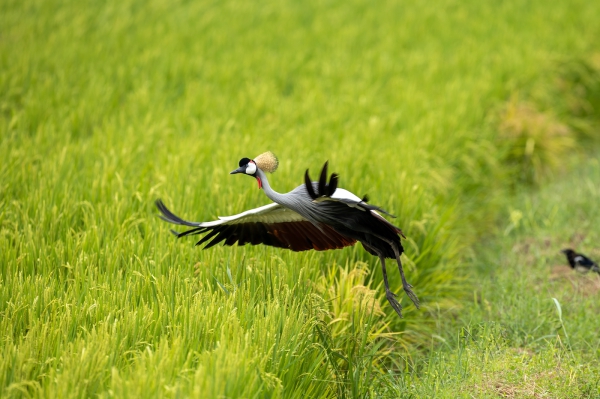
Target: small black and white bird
{"type": "Point", "coordinates": [315, 215]}
{"type": "Point", "coordinates": [580, 262]}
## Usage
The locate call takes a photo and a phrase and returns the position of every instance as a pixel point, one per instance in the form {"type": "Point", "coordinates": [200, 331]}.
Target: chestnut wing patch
{"type": "Point", "coordinates": [271, 225]}
{"type": "Point", "coordinates": [297, 236]}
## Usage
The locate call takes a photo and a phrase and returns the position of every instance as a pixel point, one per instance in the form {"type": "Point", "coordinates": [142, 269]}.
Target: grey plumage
{"type": "Point", "coordinates": [315, 215]}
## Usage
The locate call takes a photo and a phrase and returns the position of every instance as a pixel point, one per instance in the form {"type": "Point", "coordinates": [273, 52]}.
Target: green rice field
{"type": "Point", "coordinates": [476, 123]}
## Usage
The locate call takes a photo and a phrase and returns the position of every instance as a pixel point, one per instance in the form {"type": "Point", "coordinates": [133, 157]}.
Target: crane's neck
{"type": "Point", "coordinates": [272, 194]}
{"type": "Point", "coordinates": [288, 200]}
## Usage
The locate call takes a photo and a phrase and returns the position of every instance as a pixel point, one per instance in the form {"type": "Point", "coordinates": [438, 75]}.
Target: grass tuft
{"type": "Point", "coordinates": [536, 142]}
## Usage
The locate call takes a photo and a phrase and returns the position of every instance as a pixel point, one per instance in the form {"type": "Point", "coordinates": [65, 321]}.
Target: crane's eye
{"type": "Point", "coordinates": [251, 168]}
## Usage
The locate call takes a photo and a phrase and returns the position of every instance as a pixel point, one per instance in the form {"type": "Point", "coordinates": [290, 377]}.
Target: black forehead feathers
{"type": "Point", "coordinates": [244, 161]}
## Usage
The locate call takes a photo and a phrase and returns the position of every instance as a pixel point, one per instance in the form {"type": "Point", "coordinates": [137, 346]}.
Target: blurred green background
{"type": "Point", "coordinates": [443, 112]}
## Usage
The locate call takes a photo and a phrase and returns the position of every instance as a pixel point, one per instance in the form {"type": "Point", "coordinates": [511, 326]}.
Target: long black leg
{"type": "Point", "coordinates": [407, 287]}
{"type": "Point", "coordinates": [391, 297]}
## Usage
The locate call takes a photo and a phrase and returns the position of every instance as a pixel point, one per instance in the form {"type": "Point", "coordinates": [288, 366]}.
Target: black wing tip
{"type": "Point", "coordinates": [161, 207]}
{"type": "Point", "coordinates": [170, 217]}
{"type": "Point", "coordinates": [162, 217]}
{"type": "Point", "coordinates": [166, 214]}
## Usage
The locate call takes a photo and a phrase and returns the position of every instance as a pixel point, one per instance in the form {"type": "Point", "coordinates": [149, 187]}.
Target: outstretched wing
{"type": "Point", "coordinates": [271, 224]}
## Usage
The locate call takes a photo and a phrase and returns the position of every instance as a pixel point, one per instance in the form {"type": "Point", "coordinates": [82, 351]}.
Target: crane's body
{"type": "Point", "coordinates": [315, 215]}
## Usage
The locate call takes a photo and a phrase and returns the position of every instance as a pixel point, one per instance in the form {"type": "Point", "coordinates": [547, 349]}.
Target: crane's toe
{"type": "Point", "coordinates": [411, 295]}
{"type": "Point", "coordinates": [391, 297]}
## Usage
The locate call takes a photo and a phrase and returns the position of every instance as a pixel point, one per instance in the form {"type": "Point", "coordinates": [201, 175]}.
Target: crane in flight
{"type": "Point", "coordinates": [315, 215]}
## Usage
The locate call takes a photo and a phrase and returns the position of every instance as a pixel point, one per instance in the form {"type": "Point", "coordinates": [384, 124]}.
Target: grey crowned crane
{"type": "Point", "coordinates": [315, 215]}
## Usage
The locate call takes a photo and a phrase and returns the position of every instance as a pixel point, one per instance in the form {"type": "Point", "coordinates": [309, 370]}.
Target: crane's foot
{"type": "Point", "coordinates": [413, 297]}
{"type": "Point", "coordinates": [391, 297]}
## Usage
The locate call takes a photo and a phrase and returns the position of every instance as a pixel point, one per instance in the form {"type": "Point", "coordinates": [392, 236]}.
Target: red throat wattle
{"type": "Point", "coordinates": [259, 183]}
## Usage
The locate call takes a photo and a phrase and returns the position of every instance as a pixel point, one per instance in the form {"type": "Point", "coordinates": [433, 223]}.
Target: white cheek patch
{"type": "Point", "coordinates": [251, 168]}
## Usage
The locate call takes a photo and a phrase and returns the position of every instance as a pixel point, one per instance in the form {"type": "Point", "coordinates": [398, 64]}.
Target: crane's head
{"type": "Point", "coordinates": [266, 162]}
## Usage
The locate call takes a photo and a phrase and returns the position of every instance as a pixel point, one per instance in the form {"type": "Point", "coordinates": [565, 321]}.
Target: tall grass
{"type": "Point", "coordinates": [530, 329]}
{"type": "Point", "coordinates": [107, 106]}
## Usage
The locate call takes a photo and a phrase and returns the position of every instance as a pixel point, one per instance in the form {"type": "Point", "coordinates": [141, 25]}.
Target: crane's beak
{"type": "Point", "coordinates": [241, 169]}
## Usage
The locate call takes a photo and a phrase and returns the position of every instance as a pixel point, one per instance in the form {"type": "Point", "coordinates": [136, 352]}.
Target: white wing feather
{"type": "Point", "coordinates": [272, 213]}
{"type": "Point", "coordinates": [341, 193]}
{"type": "Point", "coordinates": [348, 198]}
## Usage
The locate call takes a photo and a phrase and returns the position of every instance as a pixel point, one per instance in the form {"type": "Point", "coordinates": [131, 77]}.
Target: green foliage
{"type": "Point", "coordinates": [578, 88]}
{"type": "Point", "coordinates": [531, 328]}
{"type": "Point", "coordinates": [535, 142]}
{"type": "Point", "coordinates": [106, 106]}
{"type": "Point", "coordinates": [556, 116]}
